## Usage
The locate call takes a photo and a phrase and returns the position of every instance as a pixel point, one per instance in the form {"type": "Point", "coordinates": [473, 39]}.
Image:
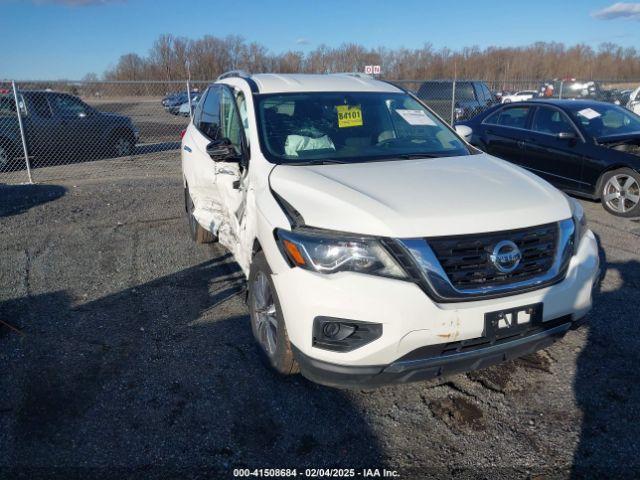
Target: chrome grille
{"type": "Point", "coordinates": [466, 259]}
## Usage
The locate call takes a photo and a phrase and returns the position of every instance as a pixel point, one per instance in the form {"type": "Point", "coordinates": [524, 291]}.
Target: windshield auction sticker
{"type": "Point", "coordinates": [349, 116]}
{"type": "Point", "coordinates": [589, 113]}
{"type": "Point", "coordinates": [416, 117]}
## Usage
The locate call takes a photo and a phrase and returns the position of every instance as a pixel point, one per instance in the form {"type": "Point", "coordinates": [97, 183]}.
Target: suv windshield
{"type": "Point", "coordinates": [602, 120]}
{"type": "Point", "coordinates": [351, 127]}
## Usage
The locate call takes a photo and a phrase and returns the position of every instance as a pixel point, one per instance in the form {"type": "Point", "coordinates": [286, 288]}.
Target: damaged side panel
{"type": "Point", "coordinates": [234, 230]}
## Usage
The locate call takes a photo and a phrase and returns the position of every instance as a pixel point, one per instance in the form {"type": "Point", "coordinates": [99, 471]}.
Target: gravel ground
{"type": "Point", "coordinates": [133, 357]}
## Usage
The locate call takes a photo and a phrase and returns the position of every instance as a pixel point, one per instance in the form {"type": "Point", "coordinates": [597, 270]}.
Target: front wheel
{"type": "Point", "coordinates": [122, 146]}
{"type": "Point", "coordinates": [267, 322]}
{"type": "Point", "coordinates": [620, 192]}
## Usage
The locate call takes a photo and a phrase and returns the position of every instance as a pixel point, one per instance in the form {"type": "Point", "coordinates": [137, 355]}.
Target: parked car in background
{"type": "Point", "coordinates": [571, 88]}
{"type": "Point", "coordinates": [519, 96]}
{"type": "Point", "coordinates": [173, 104]}
{"type": "Point", "coordinates": [169, 97]}
{"type": "Point", "coordinates": [634, 101]}
{"type": "Point", "coordinates": [379, 247]}
{"type": "Point", "coordinates": [62, 126]}
{"type": "Point", "coordinates": [581, 146]}
{"type": "Point", "coordinates": [615, 96]}
{"type": "Point", "coordinates": [185, 110]}
{"type": "Point", "coordinates": [471, 98]}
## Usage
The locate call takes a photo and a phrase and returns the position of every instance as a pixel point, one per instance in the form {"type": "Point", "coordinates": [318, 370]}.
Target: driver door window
{"type": "Point", "coordinates": [207, 116]}
{"type": "Point", "coordinates": [551, 121]}
{"type": "Point", "coordinates": [231, 123]}
{"type": "Point", "coordinates": [68, 106]}
{"type": "Point", "coordinates": [77, 129]}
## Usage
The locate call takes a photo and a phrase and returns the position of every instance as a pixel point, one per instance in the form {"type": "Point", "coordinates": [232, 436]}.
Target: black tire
{"type": "Point", "coordinates": [121, 145]}
{"type": "Point", "coordinates": [628, 204]}
{"type": "Point", "coordinates": [196, 231]}
{"type": "Point", "coordinates": [281, 357]}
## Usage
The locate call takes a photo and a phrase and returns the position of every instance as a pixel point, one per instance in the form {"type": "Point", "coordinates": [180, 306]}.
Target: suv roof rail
{"type": "Point", "coordinates": [234, 73]}
{"type": "Point", "coordinates": [355, 74]}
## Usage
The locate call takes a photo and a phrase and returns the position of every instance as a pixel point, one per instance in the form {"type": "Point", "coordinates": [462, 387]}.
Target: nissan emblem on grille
{"type": "Point", "coordinates": [506, 256]}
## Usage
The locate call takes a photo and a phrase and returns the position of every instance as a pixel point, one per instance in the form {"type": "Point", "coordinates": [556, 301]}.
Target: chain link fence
{"type": "Point", "coordinates": [458, 100]}
{"type": "Point", "coordinates": [73, 130]}
{"type": "Point", "coordinates": [55, 130]}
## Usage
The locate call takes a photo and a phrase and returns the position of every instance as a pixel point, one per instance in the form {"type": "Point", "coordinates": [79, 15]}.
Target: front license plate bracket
{"type": "Point", "coordinates": [511, 321]}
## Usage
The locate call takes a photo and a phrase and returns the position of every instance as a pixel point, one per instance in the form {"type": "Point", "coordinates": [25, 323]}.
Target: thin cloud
{"type": "Point", "coordinates": [302, 41]}
{"type": "Point", "coordinates": [628, 11]}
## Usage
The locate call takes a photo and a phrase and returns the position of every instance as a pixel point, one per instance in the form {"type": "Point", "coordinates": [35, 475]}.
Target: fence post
{"type": "Point", "coordinates": [189, 99]}
{"type": "Point", "coordinates": [561, 86]}
{"type": "Point", "coordinates": [453, 100]}
{"type": "Point", "coordinates": [21, 126]}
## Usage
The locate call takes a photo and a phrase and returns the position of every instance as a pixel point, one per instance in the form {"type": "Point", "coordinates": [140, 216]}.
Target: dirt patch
{"type": "Point", "coordinates": [458, 412]}
{"type": "Point", "coordinates": [494, 378]}
{"type": "Point", "coordinates": [536, 361]}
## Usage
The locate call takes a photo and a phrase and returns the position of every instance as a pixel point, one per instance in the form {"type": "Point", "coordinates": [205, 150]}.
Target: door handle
{"type": "Point", "coordinates": [186, 148]}
{"type": "Point", "coordinates": [521, 144]}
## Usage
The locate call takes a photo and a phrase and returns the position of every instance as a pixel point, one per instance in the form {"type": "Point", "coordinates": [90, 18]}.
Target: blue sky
{"type": "Point", "coordinates": [51, 39]}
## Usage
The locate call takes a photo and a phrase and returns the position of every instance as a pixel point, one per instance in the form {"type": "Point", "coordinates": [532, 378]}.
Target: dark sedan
{"type": "Point", "coordinates": [584, 147]}
{"type": "Point", "coordinates": [59, 126]}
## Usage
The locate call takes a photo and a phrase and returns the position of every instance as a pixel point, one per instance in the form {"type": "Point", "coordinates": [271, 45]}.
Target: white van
{"type": "Point", "coordinates": [379, 246]}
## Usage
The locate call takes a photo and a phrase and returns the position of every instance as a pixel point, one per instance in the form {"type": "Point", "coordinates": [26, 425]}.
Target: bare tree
{"type": "Point", "coordinates": [209, 56]}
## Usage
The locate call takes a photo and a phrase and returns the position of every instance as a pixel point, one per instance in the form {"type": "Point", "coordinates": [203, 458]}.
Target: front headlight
{"type": "Point", "coordinates": [331, 252]}
{"type": "Point", "coordinates": [579, 220]}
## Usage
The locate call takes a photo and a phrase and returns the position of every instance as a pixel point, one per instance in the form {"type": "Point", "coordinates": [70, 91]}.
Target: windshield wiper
{"type": "Point", "coordinates": [317, 162]}
{"type": "Point", "coordinates": [413, 156]}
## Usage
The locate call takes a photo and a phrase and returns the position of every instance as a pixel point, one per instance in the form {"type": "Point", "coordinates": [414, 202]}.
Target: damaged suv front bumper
{"type": "Point", "coordinates": [427, 363]}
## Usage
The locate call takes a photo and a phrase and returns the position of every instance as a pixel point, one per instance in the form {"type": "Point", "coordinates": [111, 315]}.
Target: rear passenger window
{"type": "Point", "coordinates": [515, 117]}
{"type": "Point", "coordinates": [207, 116]}
{"type": "Point", "coordinates": [7, 106]}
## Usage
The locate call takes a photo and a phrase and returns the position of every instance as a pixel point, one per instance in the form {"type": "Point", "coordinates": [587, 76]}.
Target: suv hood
{"type": "Point", "coordinates": [416, 198]}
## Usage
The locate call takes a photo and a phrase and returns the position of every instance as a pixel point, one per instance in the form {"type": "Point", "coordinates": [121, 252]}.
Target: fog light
{"type": "Point", "coordinates": [331, 329]}
{"type": "Point", "coordinates": [337, 330]}
{"type": "Point", "coordinates": [342, 335]}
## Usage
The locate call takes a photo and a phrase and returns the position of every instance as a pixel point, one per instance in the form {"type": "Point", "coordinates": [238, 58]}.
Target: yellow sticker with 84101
{"type": "Point", "coordinates": [349, 116]}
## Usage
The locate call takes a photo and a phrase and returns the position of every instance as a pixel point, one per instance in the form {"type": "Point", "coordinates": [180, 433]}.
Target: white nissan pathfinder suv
{"type": "Point", "coordinates": [379, 246]}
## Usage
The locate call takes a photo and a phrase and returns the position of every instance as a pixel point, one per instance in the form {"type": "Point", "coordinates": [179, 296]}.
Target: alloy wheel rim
{"type": "Point", "coordinates": [622, 193]}
{"type": "Point", "coordinates": [265, 314]}
{"type": "Point", "coordinates": [123, 147]}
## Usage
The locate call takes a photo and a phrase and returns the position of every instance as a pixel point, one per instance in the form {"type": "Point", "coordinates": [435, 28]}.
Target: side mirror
{"type": "Point", "coordinates": [223, 151]}
{"type": "Point", "coordinates": [567, 136]}
{"type": "Point", "coordinates": [464, 131]}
